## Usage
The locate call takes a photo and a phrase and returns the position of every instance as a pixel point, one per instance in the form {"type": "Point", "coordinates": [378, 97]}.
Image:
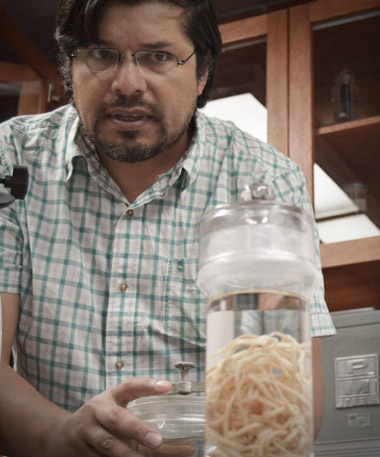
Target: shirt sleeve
{"type": "Point", "coordinates": [321, 321]}
{"type": "Point", "coordinates": [11, 238]}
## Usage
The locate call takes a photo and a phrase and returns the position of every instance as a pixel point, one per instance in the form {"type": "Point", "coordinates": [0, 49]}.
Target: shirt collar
{"type": "Point", "coordinates": [75, 145]}
{"type": "Point", "coordinates": [189, 165]}
{"type": "Point", "coordinates": [78, 147]}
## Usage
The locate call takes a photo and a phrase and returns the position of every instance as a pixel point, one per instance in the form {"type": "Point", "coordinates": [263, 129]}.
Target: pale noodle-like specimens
{"type": "Point", "coordinates": [259, 398]}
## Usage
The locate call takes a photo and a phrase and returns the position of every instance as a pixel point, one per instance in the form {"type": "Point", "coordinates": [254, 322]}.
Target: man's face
{"type": "Point", "coordinates": [130, 113]}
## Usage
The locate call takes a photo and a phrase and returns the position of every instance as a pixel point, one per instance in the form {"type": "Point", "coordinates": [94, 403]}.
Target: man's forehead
{"type": "Point", "coordinates": [153, 23]}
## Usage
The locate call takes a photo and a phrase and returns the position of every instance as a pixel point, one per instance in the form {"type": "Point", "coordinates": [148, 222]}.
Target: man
{"type": "Point", "coordinates": [98, 265]}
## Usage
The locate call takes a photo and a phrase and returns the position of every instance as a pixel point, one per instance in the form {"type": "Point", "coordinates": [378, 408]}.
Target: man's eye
{"type": "Point", "coordinates": [160, 57]}
{"type": "Point", "coordinates": [101, 54]}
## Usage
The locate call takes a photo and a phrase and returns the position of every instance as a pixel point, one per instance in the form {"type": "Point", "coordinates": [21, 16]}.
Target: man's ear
{"type": "Point", "coordinates": [202, 81]}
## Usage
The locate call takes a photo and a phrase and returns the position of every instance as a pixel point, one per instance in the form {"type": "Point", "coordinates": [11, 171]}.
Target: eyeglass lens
{"type": "Point", "coordinates": [99, 60]}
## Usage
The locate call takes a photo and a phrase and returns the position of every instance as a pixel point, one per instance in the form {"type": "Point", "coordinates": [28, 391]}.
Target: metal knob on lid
{"type": "Point", "coordinates": [256, 191]}
{"type": "Point", "coordinates": [185, 386]}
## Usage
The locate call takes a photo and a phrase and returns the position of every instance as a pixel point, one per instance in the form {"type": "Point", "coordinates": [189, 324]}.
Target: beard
{"type": "Point", "coordinates": [129, 149]}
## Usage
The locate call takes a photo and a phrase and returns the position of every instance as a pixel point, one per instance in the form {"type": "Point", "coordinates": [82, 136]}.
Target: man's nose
{"type": "Point", "coordinates": [127, 78]}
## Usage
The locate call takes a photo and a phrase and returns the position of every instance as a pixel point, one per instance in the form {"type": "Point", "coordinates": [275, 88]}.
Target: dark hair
{"type": "Point", "coordinates": [77, 23]}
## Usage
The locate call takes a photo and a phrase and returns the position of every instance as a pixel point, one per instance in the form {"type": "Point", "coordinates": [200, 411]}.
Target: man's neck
{"type": "Point", "coordinates": [134, 178]}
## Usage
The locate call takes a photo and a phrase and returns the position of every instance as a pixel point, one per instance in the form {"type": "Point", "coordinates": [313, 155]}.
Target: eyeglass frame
{"type": "Point", "coordinates": [121, 56]}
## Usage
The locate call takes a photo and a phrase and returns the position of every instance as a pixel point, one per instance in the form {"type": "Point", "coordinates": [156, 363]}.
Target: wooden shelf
{"type": "Point", "coordinates": [345, 131]}
{"type": "Point", "coordinates": [352, 270]}
{"type": "Point", "coordinates": [355, 140]}
{"type": "Point", "coordinates": [350, 252]}
{"type": "Point", "coordinates": [353, 286]}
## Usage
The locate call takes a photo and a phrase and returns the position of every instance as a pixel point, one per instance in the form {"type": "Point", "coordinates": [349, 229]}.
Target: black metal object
{"type": "Point", "coordinates": [18, 183]}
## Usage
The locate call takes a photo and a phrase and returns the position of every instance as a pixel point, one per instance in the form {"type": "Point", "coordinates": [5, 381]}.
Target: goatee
{"type": "Point", "coordinates": [131, 150]}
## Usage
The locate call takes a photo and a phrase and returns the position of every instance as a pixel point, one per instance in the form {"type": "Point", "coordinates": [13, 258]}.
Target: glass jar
{"type": "Point", "coordinates": [344, 97]}
{"type": "Point", "coordinates": [257, 267]}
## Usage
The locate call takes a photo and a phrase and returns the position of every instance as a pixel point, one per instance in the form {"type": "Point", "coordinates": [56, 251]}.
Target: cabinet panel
{"type": "Point", "coordinates": [255, 60]}
{"type": "Point", "coordinates": [301, 124]}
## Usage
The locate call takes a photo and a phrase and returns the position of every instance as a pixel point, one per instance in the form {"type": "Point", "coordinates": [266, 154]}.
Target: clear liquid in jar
{"type": "Point", "coordinates": [259, 379]}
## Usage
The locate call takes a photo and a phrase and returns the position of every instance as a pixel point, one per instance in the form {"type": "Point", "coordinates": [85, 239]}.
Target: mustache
{"type": "Point", "coordinates": [129, 103]}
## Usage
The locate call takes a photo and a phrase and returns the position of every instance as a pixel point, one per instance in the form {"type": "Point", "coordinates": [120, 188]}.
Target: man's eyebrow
{"type": "Point", "coordinates": [156, 45]}
{"type": "Point", "coordinates": [100, 43]}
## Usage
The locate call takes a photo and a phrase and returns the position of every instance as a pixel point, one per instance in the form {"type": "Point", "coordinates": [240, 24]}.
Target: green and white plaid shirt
{"type": "Point", "coordinates": [108, 288]}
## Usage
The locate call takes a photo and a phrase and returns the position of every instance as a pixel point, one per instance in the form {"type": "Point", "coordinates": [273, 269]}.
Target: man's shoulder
{"type": "Point", "coordinates": [243, 146]}
{"type": "Point", "coordinates": [235, 158]}
{"type": "Point", "coordinates": [37, 123]}
{"type": "Point", "coordinates": [35, 139]}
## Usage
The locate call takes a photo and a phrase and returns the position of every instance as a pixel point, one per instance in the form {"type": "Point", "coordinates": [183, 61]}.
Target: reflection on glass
{"type": "Point", "coordinates": [347, 228]}
{"type": "Point", "coordinates": [242, 69]}
{"type": "Point", "coordinates": [340, 213]}
{"type": "Point", "coordinates": [244, 110]}
{"type": "Point", "coordinates": [329, 199]}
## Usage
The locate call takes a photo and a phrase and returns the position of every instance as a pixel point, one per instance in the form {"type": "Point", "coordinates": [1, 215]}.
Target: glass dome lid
{"type": "Point", "coordinates": [178, 415]}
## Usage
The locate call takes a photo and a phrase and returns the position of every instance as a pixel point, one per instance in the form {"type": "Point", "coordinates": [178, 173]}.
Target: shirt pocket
{"type": "Point", "coordinates": [185, 305]}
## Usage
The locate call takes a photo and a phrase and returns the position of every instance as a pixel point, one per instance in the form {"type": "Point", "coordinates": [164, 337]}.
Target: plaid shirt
{"type": "Point", "coordinates": [108, 288]}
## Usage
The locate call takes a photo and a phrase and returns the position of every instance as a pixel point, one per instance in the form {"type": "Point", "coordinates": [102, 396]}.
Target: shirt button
{"type": "Point", "coordinates": [119, 365]}
{"type": "Point", "coordinates": [129, 213]}
{"type": "Point", "coordinates": [123, 286]}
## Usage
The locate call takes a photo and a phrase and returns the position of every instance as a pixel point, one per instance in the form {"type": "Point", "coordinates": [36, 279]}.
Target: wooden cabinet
{"type": "Point", "coordinates": [306, 47]}
{"type": "Point", "coordinates": [32, 80]}
{"type": "Point", "coordinates": [332, 34]}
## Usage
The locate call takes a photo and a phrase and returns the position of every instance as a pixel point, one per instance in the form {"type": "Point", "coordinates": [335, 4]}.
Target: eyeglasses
{"type": "Point", "coordinates": [100, 60]}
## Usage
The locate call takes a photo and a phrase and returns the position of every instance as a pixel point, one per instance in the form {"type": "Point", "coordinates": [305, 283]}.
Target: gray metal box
{"type": "Point", "coordinates": [351, 425]}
